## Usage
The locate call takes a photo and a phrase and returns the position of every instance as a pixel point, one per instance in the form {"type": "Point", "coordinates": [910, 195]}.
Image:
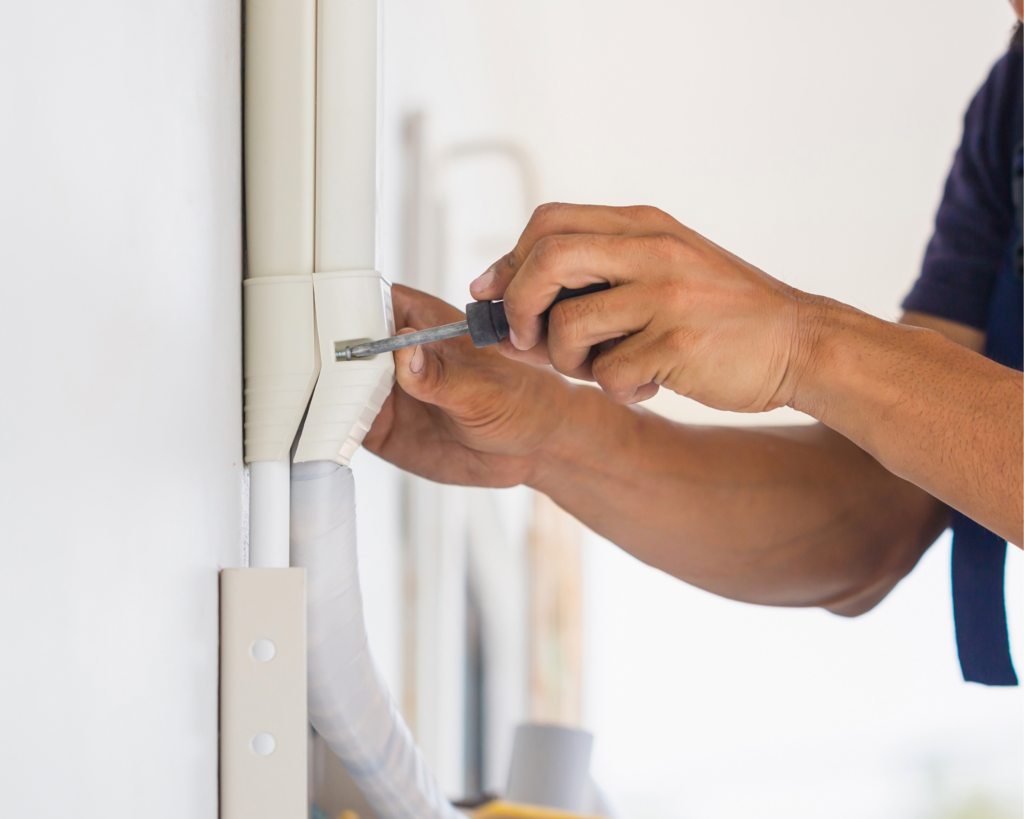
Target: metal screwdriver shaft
{"type": "Point", "coordinates": [486, 323]}
{"type": "Point", "coordinates": [389, 345]}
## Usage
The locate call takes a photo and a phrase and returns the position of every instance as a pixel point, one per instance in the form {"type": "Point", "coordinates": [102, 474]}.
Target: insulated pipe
{"type": "Point", "coordinates": [280, 140]}
{"type": "Point", "coordinates": [349, 704]}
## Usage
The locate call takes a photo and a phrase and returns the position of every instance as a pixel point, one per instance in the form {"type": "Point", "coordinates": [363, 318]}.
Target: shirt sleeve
{"type": "Point", "coordinates": [975, 218]}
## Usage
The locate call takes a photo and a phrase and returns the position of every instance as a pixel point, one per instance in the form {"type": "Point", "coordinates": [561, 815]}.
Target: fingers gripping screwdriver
{"type": "Point", "coordinates": [485, 323]}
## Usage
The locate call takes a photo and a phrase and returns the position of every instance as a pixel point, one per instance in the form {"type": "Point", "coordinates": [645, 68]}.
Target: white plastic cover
{"type": "Point", "coordinates": [281, 362]}
{"type": "Point", "coordinates": [351, 306]}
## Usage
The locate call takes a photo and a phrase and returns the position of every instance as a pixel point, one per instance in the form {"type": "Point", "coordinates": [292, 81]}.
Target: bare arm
{"type": "Point", "coordinates": [930, 410]}
{"type": "Point", "coordinates": [793, 516]}
{"type": "Point", "coordinates": [688, 315]}
{"type": "Point", "coordinates": [790, 516]}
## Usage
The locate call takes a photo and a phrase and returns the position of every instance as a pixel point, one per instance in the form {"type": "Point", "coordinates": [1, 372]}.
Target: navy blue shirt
{"type": "Point", "coordinates": [974, 227]}
{"type": "Point", "coordinates": [972, 275]}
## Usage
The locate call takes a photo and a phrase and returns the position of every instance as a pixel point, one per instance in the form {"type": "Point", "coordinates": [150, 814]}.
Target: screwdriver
{"type": "Point", "coordinates": [485, 323]}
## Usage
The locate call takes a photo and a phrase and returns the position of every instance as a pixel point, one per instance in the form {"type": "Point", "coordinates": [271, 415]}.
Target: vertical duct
{"type": "Point", "coordinates": [280, 352]}
{"type": "Point", "coordinates": [353, 300]}
{"type": "Point", "coordinates": [347, 207]}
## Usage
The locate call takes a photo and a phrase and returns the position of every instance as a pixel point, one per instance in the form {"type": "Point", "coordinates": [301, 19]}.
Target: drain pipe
{"type": "Point", "coordinates": [349, 704]}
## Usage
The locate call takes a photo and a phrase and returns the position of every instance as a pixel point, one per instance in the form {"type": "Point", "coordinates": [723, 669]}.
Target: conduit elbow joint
{"type": "Point", "coordinates": [281, 364]}
{"type": "Point", "coordinates": [293, 325]}
{"type": "Point", "coordinates": [351, 306]}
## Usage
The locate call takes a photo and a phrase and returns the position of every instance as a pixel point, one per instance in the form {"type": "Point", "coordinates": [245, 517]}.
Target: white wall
{"type": "Point", "coordinates": [120, 419]}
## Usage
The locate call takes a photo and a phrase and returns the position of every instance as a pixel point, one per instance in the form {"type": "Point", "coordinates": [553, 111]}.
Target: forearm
{"type": "Point", "coordinates": [938, 415]}
{"type": "Point", "coordinates": [793, 516]}
{"type": "Point", "coordinates": [786, 516]}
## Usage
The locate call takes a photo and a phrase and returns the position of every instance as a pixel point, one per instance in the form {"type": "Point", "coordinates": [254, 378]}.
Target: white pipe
{"type": "Point", "coordinates": [349, 704]}
{"type": "Point", "coordinates": [268, 514]}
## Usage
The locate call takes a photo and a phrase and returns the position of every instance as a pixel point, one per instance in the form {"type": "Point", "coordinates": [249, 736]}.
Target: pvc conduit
{"type": "Point", "coordinates": [268, 514]}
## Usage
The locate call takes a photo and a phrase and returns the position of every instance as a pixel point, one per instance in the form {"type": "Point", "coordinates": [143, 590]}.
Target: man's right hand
{"type": "Point", "coordinates": [463, 415]}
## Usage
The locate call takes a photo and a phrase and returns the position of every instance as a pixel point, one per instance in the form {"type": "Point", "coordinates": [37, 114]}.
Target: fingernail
{"type": "Point", "coordinates": [513, 339]}
{"type": "Point", "coordinates": [482, 282]}
{"type": "Point", "coordinates": [416, 365]}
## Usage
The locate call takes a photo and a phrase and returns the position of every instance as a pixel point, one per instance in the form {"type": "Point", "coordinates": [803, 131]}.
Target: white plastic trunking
{"type": "Point", "coordinates": [311, 211]}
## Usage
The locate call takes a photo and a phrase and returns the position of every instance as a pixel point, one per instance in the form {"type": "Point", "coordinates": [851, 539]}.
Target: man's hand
{"type": "Point", "coordinates": [796, 516]}
{"type": "Point", "coordinates": [688, 315]}
{"type": "Point", "coordinates": [462, 415]}
{"type": "Point", "coordinates": [684, 313]}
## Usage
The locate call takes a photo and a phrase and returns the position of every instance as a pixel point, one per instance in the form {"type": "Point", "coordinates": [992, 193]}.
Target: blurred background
{"type": "Point", "coordinates": [813, 140]}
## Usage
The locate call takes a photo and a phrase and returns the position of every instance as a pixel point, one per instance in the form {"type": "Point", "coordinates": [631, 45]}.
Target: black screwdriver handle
{"type": "Point", "coordinates": [487, 321]}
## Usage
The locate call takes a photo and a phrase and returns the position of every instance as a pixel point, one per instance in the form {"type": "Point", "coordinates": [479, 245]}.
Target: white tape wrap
{"type": "Point", "coordinates": [349, 704]}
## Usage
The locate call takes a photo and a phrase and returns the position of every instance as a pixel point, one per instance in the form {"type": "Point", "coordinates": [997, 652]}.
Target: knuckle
{"type": "Point", "coordinates": [512, 311]}
{"type": "Point", "coordinates": [562, 360]}
{"type": "Point", "coordinates": [567, 320]}
{"type": "Point", "coordinates": [674, 292]}
{"type": "Point", "coordinates": [610, 370]}
{"type": "Point", "coordinates": [547, 252]}
{"type": "Point", "coordinates": [512, 260]}
{"type": "Point", "coordinates": [544, 219]}
{"type": "Point", "coordinates": [666, 247]}
{"type": "Point", "coordinates": [547, 213]}
{"type": "Point", "coordinates": [646, 215]}
{"type": "Point", "coordinates": [677, 341]}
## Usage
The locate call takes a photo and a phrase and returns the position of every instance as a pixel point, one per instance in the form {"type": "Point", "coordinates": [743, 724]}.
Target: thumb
{"type": "Point", "coordinates": [425, 375]}
{"type": "Point", "coordinates": [492, 283]}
